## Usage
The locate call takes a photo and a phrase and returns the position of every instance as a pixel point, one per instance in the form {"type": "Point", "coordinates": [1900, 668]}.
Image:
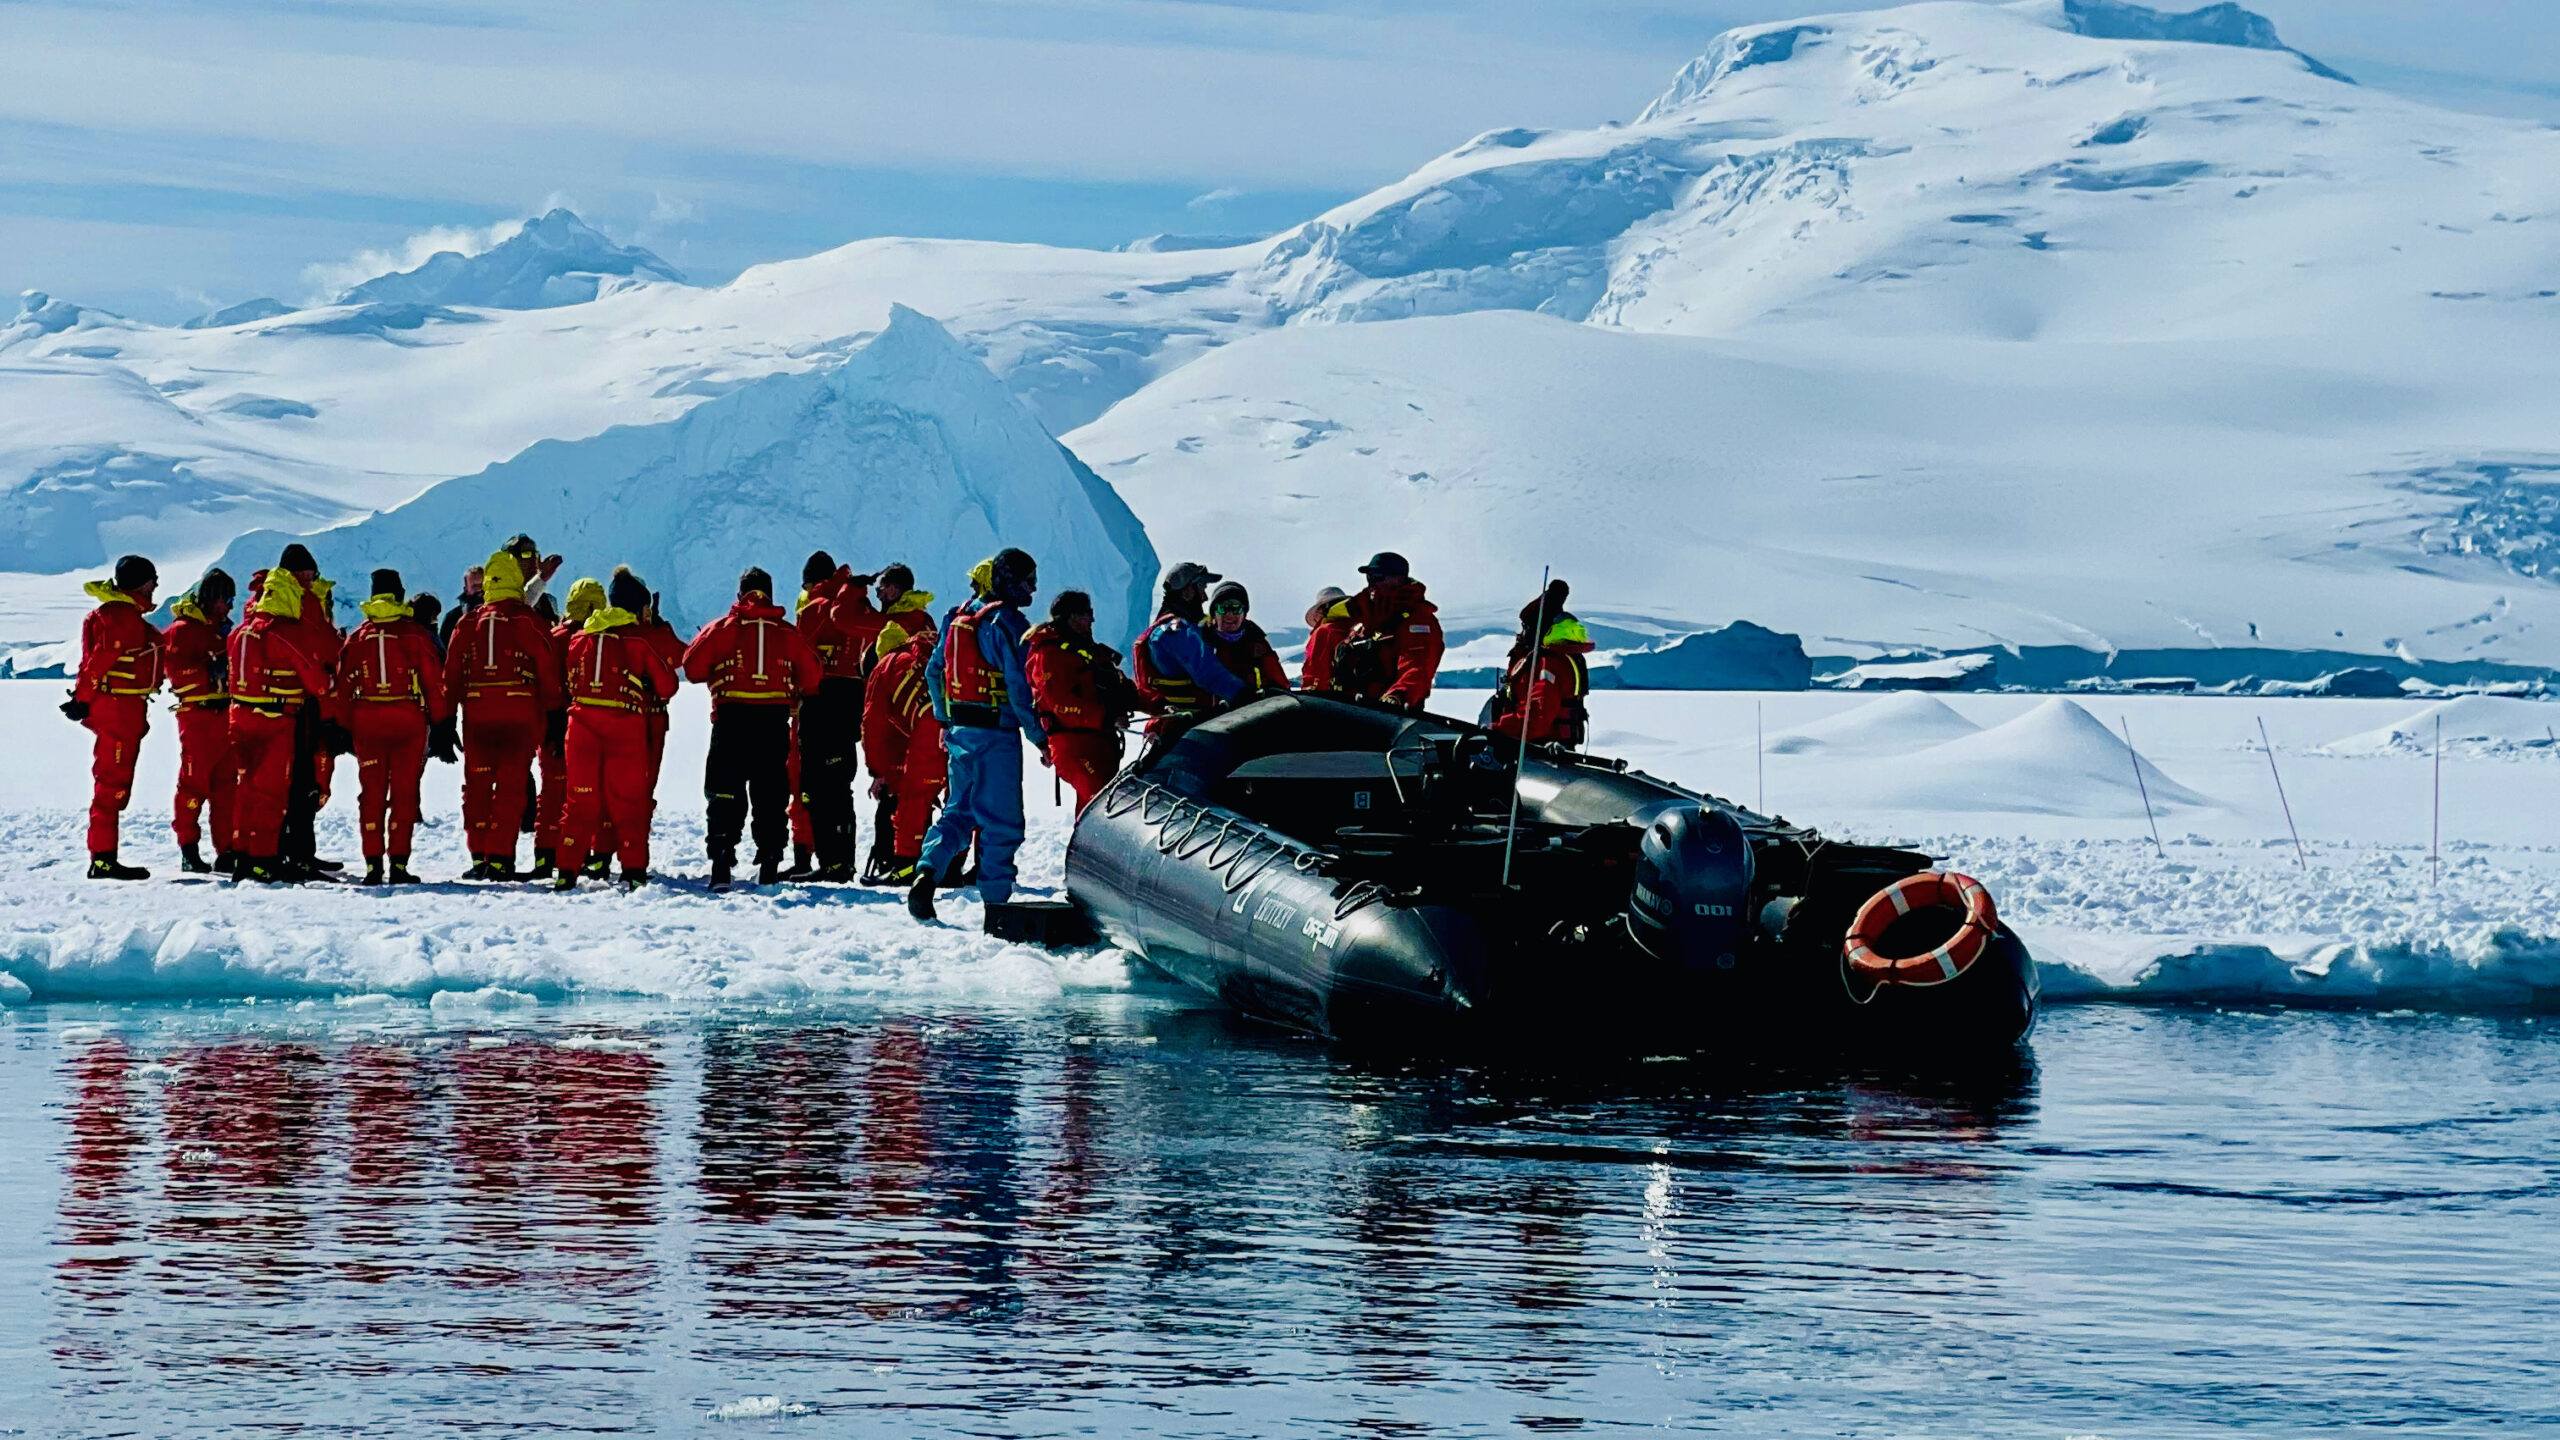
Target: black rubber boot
{"type": "Point", "coordinates": [920, 896]}
{"type": "Point", "coordinates": [633, 880]}
{"type": "Point", "coordinates": [723, 867]}
{"type": "Point", "coordinates": [399, 872]}
{"type": "Point", "coordinates": [564, 882]}
{"type": "Point", "coordinates": [803, 865]}
{"type": "Point", "coordinates": [269, 870]}
{"type": "Point", "coordinates": [317, 865]}
{"type": "Point", "coordinates": [544, 866]}
{"type": "Point", "coordinates": [599, 867]}
{"type": "Point", "coordinates": [103, 865]}
{"type": "Point", "coordinates": [227, 862]}
{"type": "Point", "coordinates": [768, 870]}
{"type": "Point", "coordinates": [373, 871]}
{"type": "Point", "coordinates": [191, 859]}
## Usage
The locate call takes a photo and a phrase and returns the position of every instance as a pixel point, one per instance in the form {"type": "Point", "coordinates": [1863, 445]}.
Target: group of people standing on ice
{"type": "Point", "coordinates": [557, 711]}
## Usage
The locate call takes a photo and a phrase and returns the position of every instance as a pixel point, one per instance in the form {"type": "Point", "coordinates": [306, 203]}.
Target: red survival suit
{"type": "Point", "coordinates": [616, 680]}
{"type": "Point", "coordinates": [903, 742]}
{"type": "Point", "coordinates": [503, 675]}
{"type": "Point", "coordinates": [1548, 691]}
{"type": "Point", "coordinates": [551, 803]}
{"type": "Point", "coordinates": [1401, 632]}
{"type": "Point", "coordinates": [1331, 628]}
{"type": "Point", "coordinates": [391, 689]}
{"type": "Point", "coordinates": [274, 679]}
{"type": "Point", "coordinates": [1083, 701]}
{"type": "Point", "coordinates": [839, 621]}
{"type": "Point", "coordinates": [199, 671]}
{"type": "Point", "coordinates": [119, 670]}
{"type": "Point", "coordinates": [1248, 657]}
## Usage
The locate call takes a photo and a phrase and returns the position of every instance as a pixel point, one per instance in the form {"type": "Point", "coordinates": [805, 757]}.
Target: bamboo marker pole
{"type": "Point", "coordinates": [2435, 826]}
{"type": "Point", "coordinates": [1759, 759]}
{"type": "Point", "coordinates": [2298, 858]}
{"type": "Point", "coordinates": [2126, 724]}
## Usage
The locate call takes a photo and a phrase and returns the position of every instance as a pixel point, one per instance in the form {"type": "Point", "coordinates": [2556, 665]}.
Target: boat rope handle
{"type": "Point", "coordinates": [1121, 799]}
{"type": "Point", "coordinates": [1233, 882]}
{"type": "Point", "coordinates": [1173, 806]}
{"type": "Point", "coordinates": [1166, 839]}
{"type": "Point", "coordinates": [1224, 831]}
{"type": "Point", "coordinates": [1362, 892]}
{"type": "Point", "coordinates": [1307, 861]}
{"type": "Point", "coordinates": [1186, 849]}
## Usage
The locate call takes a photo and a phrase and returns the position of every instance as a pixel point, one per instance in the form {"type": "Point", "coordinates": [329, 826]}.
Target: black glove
{"type": "Point", "coordinates": [555, 727]}
{"type": "Point", "coordinates": [78, 710]}
{"type": "Point", "coordinates": [444, 741]}
{"type": "Point", "coordinates": [337, 739]}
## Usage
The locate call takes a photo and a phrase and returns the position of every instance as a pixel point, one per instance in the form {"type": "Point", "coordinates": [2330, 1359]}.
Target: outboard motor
{"type": "Point", "coordinates": [1692, 891]}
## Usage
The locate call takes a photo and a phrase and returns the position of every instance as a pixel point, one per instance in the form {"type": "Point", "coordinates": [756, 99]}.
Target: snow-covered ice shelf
{"type": "Point", "coordinates": [2034, 795]}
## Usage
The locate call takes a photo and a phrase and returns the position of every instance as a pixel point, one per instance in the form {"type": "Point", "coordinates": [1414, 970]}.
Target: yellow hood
{"type": "Point", "coordinates": [609, 617]}
{"type": "Point", "coordinates": [186, 608]}
{"type": "Point", "coordinates": [501, 579]}
{"type": "Point", "coordinates": [383, 607]}
{"type": "Point", "coordinates": [282, 597]}
{"type": "Point", "coordinates": [585, 598]}
{"type": "Point", "coordinates": [982, 578]}
{"type": "Point", "coordinates": [107, 594]}
{"type": "Point", "coordinates": [893, 634]}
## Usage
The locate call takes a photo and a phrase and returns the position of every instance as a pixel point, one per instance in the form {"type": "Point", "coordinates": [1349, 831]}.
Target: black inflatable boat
{"type": "Point", "coordinates": [1340, 868]}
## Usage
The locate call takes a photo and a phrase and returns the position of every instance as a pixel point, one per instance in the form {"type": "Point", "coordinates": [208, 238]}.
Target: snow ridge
{"type": "Point", "coordinates": [556, 259]}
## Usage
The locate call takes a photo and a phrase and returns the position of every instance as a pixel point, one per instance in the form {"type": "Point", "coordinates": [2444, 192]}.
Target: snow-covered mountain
{"type": "Point", "coordinates": [906, 444]}
{"type": "Point", "coordinates": [556, 259]}
{"type": "Point", "coordinates": [2061, 322]}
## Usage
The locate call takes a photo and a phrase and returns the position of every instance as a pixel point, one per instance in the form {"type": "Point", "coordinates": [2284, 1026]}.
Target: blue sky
{"type": "Point", "coordinates": [162, 157]}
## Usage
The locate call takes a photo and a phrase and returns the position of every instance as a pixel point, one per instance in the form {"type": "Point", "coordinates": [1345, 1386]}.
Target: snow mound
{"type": "Point", "coordinates": [555, 260]}
{"type": "Point", "coordinates": [1894, 725]}
{"type": "Point", "coordinates": [94, 462]}
{"type": "Point", "coordinates": [906, 449]}
{"type": "Point", "coordinates": [2472, 725]}
{"type": "Point", "coordinates": [247, 312]}
{"type": "Point", "coordinates": [2056, 759]}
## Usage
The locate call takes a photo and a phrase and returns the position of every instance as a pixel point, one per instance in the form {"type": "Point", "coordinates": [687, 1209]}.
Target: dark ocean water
{"type": "Point", "coordinates": [1123, 1215]}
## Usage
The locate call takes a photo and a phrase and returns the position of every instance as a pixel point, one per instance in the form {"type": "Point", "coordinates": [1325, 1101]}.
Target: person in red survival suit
{"type": "Point", "coordinates": [841, 624]}
{"type": "Point", "coordinates": [503, 676]}
{"type": "Point", "coordinates": [758, 667]}
{"type": "Point", "coordinates": [111, 695]}
{"type": "Point", "coordinates": [551, 807]}
{"type": "Point", "coordinates": [904, 610]}
{"type": "Point", "coordinates": [662, 638]}
{"type": "Point", "coordinates": [391, 691]}
{"type": "Point", "coordinates": [1328, 625]}
{"type": "Point", "coordinates": [903, 744]}
{"type": "Point", "coordinates": [1240, 644]}
{"type": "Point", "coordinates": [1393, 651]}
{"type": "Point", "coordinates": [1546, 683]}
{"type": "Point", "coordinates": [273, 682]}
{"type": "Point", "coordinates": [1083, 700]}
{"type": "Point", "coordinates": [315, 747]}
{"type": "Point", "coordinates": [616, 678]}
{"type": "Point", "coordinates": [192, 652]}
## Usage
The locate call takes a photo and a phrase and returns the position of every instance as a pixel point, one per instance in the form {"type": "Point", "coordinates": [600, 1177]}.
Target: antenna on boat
{"type": "Point", "coordinates": [1528, 703]}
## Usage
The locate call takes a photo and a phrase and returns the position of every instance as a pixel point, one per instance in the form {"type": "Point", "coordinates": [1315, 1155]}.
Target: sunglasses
{"type": "Point", "coordinates": [1227, 607]}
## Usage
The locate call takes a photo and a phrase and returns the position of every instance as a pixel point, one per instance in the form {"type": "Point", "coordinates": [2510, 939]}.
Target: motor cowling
{"type": "Point", "coordinates": [1692, 888]}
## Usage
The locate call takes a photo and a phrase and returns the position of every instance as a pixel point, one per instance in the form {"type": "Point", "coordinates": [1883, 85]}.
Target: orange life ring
{"type": "Point", "coordinates": [1922, 892]}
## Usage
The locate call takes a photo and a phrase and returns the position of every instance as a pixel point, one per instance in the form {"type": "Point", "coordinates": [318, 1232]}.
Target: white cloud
{"type": "Point", "coordinates": [329, 279]}
{"type": "Point", "coordinates": [672, 210]}
{"type": "Point", "coordinates": [1217, 197]}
